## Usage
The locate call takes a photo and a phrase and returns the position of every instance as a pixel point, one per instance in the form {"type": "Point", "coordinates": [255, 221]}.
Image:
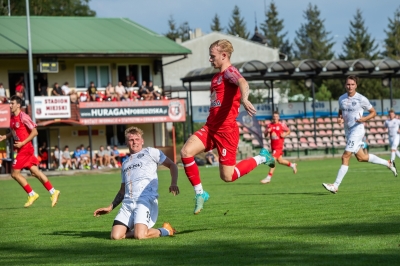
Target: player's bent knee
{"type": "Point", "coordinates": [115, 236]}
{"type": "Point", "coordinates": [226, 178]}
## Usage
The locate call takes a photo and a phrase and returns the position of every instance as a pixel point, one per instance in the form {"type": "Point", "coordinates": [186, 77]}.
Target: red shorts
{"type": "Point", "coordinates": [225, 142]}
{"type": "Point", "coordinates": [277, 153]}
{"type": "Point", "coordinates": [25, 161]}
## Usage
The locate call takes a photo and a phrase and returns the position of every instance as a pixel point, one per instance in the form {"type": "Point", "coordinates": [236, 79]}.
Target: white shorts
{"type": "Point", "coordinates": [354, 140]}
{"type": "Point", "coordinates": [394, 142]}
{"type": "Point", "coordinates": [140, 212]}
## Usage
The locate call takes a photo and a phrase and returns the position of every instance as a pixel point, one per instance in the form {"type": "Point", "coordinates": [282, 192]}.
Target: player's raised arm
{"type": "Point", "coordinates": [245, 90]}
{"type": "Point", "coordinates": [174, 189]}
{"type": "Point", "coordinates": [117, 200]}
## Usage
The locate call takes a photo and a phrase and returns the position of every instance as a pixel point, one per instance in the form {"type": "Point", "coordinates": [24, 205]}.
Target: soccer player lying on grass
{"type": "Point", "coordinates": [139, 191]}
{"type": "Point", "coordinates": [228, 90]}
{"type": "Point", "coordinates": [23, 130]}
{"type": "Point", "coordinates": [277, 131]}
{"type": "Point", "coordinates": [351, 108]}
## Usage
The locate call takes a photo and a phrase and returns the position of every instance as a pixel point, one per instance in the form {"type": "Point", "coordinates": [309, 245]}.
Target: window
{"type": "Point", "coordinates": [100, 75]}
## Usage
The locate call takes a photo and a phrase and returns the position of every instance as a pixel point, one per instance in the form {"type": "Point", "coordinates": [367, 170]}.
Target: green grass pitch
{"type": "Point", "coordinates": [291, 221]}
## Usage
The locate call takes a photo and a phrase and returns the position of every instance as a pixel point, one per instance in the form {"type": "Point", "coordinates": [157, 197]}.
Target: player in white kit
{"type": "Point", "coordinates": [393, 124]}
{"type": "Point", "coordinates": [139, 191]}
{"type": "Point", "coordinates": [351, 108]}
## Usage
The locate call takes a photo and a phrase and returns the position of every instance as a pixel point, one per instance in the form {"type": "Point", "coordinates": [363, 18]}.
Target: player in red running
{"type": "Point", "coordinates": [277, 132]}
{"type": "Point", "coordinates": [23, 130]}
{"type": "Point", "coordinates": [228, 89]}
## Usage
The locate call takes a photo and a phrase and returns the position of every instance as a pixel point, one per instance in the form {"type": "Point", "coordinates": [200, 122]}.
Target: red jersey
{"type": "Point", "coordinates": [276, 130]}
{"type": "Point", "coordinates": [225, 100]}
{"type": "Point", "coordinates": [21, 126]}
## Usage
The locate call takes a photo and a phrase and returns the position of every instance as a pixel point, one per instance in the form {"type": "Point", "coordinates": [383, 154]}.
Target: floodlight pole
{"type": "Point", "coordinates": [315, 122]}
{"type": "Point", "coordinates": [31, 84]}
{"type": "Point", "coordinates": [9, 10]}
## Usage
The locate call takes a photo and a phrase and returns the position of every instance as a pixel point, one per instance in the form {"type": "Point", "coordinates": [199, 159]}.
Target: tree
{"type": "Point", "coordinates": [359, 43]}
{"type": "Point", "coordinates": [312, 40]}
{"type": "Point", "coordinates": [323, 93]}
{"type": "Point", "coordinates": [50, 8]}
{"type": "Point", "coordinates": [216, 25]}
{"type": "Point", "coordinates": [173, 32]}
{"type": "Point", "coordinates": [184, 31]}
{"type": "Point", "coordinates": [237, 25]}
{"type": "Point", "coordinates": [392, 41]}
{"type": "Point", "coordinates": [272, 28]}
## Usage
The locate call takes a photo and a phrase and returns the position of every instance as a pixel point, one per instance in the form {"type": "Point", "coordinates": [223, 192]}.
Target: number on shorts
{"type": "Point", "coordinates": [223, 152]}
{"type": "Point", "coordinates": [350, 143]}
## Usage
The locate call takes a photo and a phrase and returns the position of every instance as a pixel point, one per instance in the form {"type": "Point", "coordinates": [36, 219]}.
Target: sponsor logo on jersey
{"type": "Point", "coordinates": [214, 100]}
{"type": "Point", "coordinates": [133, 166]}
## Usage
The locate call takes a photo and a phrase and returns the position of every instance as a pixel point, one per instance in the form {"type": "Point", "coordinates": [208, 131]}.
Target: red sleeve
{"type": "Point", "coordinates": [27, 121]}
{"type": "Point", "coordinates": [233, 75]}
{"type": "Point", "coordinates": [284, 127]}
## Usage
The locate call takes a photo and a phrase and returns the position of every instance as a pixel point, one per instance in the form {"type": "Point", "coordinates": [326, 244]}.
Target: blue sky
{"type": "Point", "coordinates": [199, 13]}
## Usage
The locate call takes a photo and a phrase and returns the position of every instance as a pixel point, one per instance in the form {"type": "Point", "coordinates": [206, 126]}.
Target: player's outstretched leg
{"type": "Point", "coordinates": [330, 187]}
{"type": "Point", "coordinates": [31, 200]}
{"type": "Point", "coordinates": [269, 159]}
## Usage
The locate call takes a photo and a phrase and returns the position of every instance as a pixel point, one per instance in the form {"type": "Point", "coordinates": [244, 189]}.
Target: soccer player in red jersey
{"type": "Point", "coordinates": [228, 89]}
{"type": "Point", "coordinates": [277, 132]}
{"type": "Point", "coordinates": [23, 130]}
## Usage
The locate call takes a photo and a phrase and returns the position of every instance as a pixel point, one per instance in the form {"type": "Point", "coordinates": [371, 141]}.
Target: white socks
{"type": "Point", "coordinates": [341, 173]}
{"type": "Point", "coordinates": [376, 160]}
{"type": "Point", "coordinates": [259, 159]}
{"type": "Point", "coordinates": [198, 189]}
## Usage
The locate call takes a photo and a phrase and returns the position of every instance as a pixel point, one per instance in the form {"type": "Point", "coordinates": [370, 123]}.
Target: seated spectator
{"type": "Point", "coordinates": [92, 92]}
{"type": "Point", "coordinates": [77, 157]}
{"type": "Point", "coordinates": [115, 155]}
{"type": "Point", "coordinates": [113, 160]}
{"type": "Point", "coordinates": [107, 157]}
{"type": "Point", "coordinates": [120, 91]}
{"type": "Point", "coordinates": [43, 156]}
{"type": "Point", "coordinates": [133, 95]}
{"type": "Point", "coordinates": [100, 158]}
{"type": "Point", "coordinates": [92, 156]}
{"type": "Point", "coordinates": [67, 160]}
{"type": "Point", "coordinates": [83, 97]}
{"type": "Point", "coordinates": [211, 158]}
{"type": "Point", "coordinates": [144, 92]}
{"type": "Point", "coordinates": [85, 160]}
{"type": "Point", "coordinates": [110, 90]}
{"type": "Point", "coordinates": [156, 94]}
{"type": "Point", "coordinates": [73, 96]}
{"type": "Point", "coordinates": [3, 95]}
{"type": "Point", "coordinates": [57, 91]}
{"type": "Point", "coordinates": [65, 89]}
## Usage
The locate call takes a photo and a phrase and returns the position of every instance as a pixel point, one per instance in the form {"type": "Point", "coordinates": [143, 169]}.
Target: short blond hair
{"type": "Point", "coordinates": [133, 131]}
{"type": "Point", "coordinates": [223, 46]}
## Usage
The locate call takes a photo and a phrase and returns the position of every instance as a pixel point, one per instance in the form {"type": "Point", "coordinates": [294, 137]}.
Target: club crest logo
{"type": "Point", "coordinates": [175, 110]}
{"type": "Point", "coordinates": [353, 103]}
{"type": "Point", "coordinates": [17, 125]}
{"type": "Point", "coordinates": [38, 111]}
{"type": "Point", "coordinates": [219, 80]}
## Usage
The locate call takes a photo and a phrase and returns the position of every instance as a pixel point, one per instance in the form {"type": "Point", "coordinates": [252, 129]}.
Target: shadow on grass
{"type": "Point", "coordinates": [285, 193]}
{"type": "Point", "coordinates": [92, 234]}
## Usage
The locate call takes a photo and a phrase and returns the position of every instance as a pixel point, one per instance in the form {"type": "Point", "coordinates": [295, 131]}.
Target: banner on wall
{"type": "Point", "coordinates": [5, 115]}
{"type": "Point", "coordinates": [52, 107]}
{"type": "Point", "coordinates": [127, 112]}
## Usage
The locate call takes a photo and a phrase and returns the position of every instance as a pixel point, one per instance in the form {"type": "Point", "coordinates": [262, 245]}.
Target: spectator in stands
{"type": "Point", "coordinates": [3, 95]}
{"type": "Point", "coordinates": [77, 156]}
{"type": "Point", "coordinates": [144, 92]}
{"type": "Point", "coordinates": [92, 92]}
{"type": "Point", "coordinates": [211, 158]}
{"type": "Point", "coordinates": [110, 92]}
{"type": "Point", "coordinates": [43, 156]}
{"type": "Point", "coordinates": [57, 91]}
{"type": "Point", "coordinates": [43, 84]}
{"type": "Point", "coordinates": [66, 159]}
{"type": "Point", "coordinates": [115, 154]}
{"type": "Point", "coordinates": [85, 158]}
{"type": "Point", "coordinates": [73, 96]}
{"type": "Point", "coordinates": [92, 156]}
{"type": "Point", "coordinates": [107, 157]}
{"type": "Point", "coordinates": [113, 160]}
{"type": "Point", "coordinates": [131, 79]}
{"type": "Point", "coordinates": [65, 89]}
{"type": "Point", "coordinates": [100, 158]}
{"type": "Point", "coordinates": [83, 97]}
{"type": "Point", "coordinates": [20, 88]}
{"type": "Point", "coordinates": [120, 91]}
{"type": "Point", "coordinates": [56, 157]}
{"type": "Point", "coordinates": [156, 94]}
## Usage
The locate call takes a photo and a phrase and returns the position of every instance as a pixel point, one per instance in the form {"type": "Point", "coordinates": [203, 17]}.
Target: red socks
{"type": "Point", "coordinates": [244, 167]}
{"type": "Point", "coordinates": [48, 185]}
{"type": "Point", "coordinates": [191, 170]}
{"type": "Point", "coordinates": [28, 188]}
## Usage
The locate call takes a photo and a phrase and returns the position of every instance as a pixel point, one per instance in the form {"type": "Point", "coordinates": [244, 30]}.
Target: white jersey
{"type": "Point", "coordinates": [139, 173]}
{"type": "Point", "coordinates": [393, 127]}
{"type": "Point", "coordinates": [353, 109]}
